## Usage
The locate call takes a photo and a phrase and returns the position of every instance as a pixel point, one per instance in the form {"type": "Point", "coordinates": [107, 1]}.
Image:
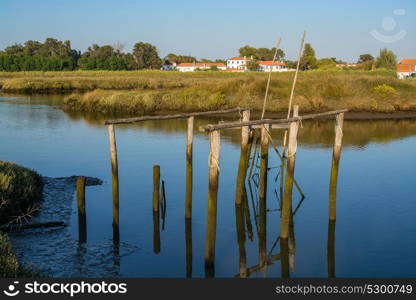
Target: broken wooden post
{"type": "Point", "coordinates": [82, 217]}
{"type": "Point", "coordinates": [262, 196]}
{"type": "Point", "coordinates": [245, 130]}
{"type": "Point", "coordinates": [339, 122]}
{"type": "Point", "coordinates": [156, 187]}
{"type": "Point", "coordinates": [331, 249]}
{"type": "Point", "coordinates": [214, 158]}
{"type": "Point", "coordinates": [290, 170]}
{"type": "Point", "coordinates": [188, 197]}
{"type": "Point", "coordinates": [115, 184]}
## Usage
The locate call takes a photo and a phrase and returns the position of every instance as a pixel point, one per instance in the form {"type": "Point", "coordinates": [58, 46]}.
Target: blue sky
{"type": "Point", "coordinates": [215, 29]}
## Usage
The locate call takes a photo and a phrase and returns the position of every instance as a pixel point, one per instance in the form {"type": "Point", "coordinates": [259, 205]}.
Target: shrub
{"type": "Point", "coordinates": [384, 91]}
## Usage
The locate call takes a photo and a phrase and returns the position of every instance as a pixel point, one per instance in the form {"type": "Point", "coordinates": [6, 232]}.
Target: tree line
{"type": "Point", "coordinates": [56, 55]}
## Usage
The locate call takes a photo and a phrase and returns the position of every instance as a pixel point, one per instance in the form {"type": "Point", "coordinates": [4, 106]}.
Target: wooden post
{"type": "Point", "coordinates": [263, 197]}
{"type": "Point", "coordinates": [241, 238]}
{"type": "Point", "coordinates": [331, 249]}
{"type": "Point", "coordinates": [214, 159]}
{"type": "Point", "coordinates": [115, 183]}
{"type": "Point", "coordinates": [156, 232]}
{"type": "Point", "coordinates": [245, 130]}
{"type": "Point", "coordinates": [82, 217]}
{"type": "Point", "coordinates": [156, 188]}
{"type": "Point", "coordinates": [188, 241]}
{"type": "Point", "coordinates": [284, 258]}
{"type": "Point", "coordinates": [286, 211]}
{"type": "Point", "coordinates": [188, 197]}
{"type": "Point", "coordinates": [339, 122]}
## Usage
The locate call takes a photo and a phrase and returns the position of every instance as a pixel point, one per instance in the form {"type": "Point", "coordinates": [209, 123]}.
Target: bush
{"type": "Point", "coordinates": [384, 92]}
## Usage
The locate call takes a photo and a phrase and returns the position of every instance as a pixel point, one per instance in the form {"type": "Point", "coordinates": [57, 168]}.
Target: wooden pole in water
{"type": "Point", "coordinates": [156, 187]}
{"type": "Point", "coordinates": [262, 197]}
{"type": "Point", "coordinates": [82, 217]}
{"type": "Point", "coordinates": [156, 232]}
{"type": "Point", "coordinates": [243, 163]}
{"type": "Point", "coordinates": [245, 130]}
{"type": "Point", "coordinates": [189, 141]}
{"type": "Point", "coordinates": [339, 122]}
{"type": "Point", "coordinates": [331, 249]}
{"type": "Point", "coordinates": [290, 170]}
{"type": "Point", "coordinates": [188, 241]}
{"type": "Point", "coordinates": [214, 159]}
{"type": "Point", "coordinates": [115, 184]}
{"type": "Point", "coordinates": [241, 238]}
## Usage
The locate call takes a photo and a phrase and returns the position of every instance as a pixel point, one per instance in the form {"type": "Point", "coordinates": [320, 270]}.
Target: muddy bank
{"type": "Point", "coordinates": [54, 251]}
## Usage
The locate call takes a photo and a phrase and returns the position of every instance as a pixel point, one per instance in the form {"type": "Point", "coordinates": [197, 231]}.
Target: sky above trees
{"type": "Point", "coordinates": [216, 29]}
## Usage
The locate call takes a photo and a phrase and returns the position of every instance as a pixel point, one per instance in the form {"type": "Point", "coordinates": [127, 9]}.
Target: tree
{"type": "Point", "coordinates": [327, 63]}
{"type": "Point", "coordinates": [364, 58]}
{"type": "Point", "coordinates": [387, 59]}
{"type": "Point", "coordinates": [173, 58]}
{"type": "Point", "coordinates": [247, 51]}
{"type": "Point", "coordinates": [308, 60]}
{"type": "Point", "coordinates": [252, 65]}
{"type": "Point", "coordinates": [146, 56]}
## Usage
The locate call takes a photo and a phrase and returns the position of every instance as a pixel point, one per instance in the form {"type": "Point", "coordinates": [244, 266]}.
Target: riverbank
{"type": "Point", "coordinates": [20, 195]}
{"type": "Point", "coordinates": [144, 92]}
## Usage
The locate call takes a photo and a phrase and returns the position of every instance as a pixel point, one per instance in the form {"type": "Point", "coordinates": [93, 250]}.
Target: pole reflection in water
{"type": "Point", "coordinates": [156, 232]}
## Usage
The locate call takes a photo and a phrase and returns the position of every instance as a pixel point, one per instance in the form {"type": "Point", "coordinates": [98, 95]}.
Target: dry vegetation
{"type": "Point", "coordinates": [137, 92]}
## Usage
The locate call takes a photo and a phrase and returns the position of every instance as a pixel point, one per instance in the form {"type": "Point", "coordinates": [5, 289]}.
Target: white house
{"type": "Point", "coordinates": [237, 63]}
{"type": "Point", "coordinates": [190, 67]}
{"type": "Point", "coordinates": [272, 66]}
{"type": "Point", "coordinates": [406, 68]}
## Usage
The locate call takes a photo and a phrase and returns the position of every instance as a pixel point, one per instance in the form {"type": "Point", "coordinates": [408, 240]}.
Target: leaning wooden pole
{"type": "Point", "coordinates": [295, 79]}
{"type": "Point", "coordinates": [290, 170]}
{"type": "Point", "coordinates": [82, 217]}
{"type": "Point", "coordinates": [189, 176]}
{"type": "Point", "coordinates": [115, 183]}
{"type": "Point", "coordinates": [214, 169]}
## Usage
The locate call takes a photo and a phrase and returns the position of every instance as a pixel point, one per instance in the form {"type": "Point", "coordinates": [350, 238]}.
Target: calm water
{"type": "Point", "coordinates": [375, 232]}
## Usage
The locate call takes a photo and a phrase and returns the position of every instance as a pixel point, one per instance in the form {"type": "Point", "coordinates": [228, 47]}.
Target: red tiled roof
{"type": "Point", "coordinates": [408, 62]}
{"type": "Point", "coordinates": [270, 63]}
{"type": "Point", "coordinates": [207, 64]}
{"type": "Point", "coordinates": [238, 58]}
{"type": "Point", "coordinates": [405, 68]}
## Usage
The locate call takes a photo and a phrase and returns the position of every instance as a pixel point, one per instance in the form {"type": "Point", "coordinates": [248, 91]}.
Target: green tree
{"type": "Point", "coordinates": [308, 60]}
{"type": "Point", "coordinates": [364, 58]}
{"type": "Point", "coordinates": [387, 59]}
{"type": "Point", "coordinates": [326, 63]}
{"type": "Point", "coordinates": [247, 51]}
{"type": "Point", "coordinates": [146, 56]}
{"type": "Point", "coordinates": [252, 65]}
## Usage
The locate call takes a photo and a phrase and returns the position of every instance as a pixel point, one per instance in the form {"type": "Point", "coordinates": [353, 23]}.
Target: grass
{"type": "Point", "coordinates": [138, 92]}
{"type": "Point", "coordinates": [20, 189]}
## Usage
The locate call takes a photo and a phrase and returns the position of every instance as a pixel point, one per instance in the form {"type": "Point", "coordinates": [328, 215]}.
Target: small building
{"type": "Point", "coordinates": [190, 67]}
{"type": "Point", "coordinates": [406, 68]}
{"type": "Point", "coordinates": [272, 66]}
{"type": "Point", "coordinates": [167, 66]}
{"type": "Point", "coordinates": [238, 63]}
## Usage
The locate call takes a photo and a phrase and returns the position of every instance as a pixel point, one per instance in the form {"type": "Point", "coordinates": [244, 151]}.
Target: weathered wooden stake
{"type": "Point", "coordinates": [115, 184]}
{"type": "Point", "coordinates": [156, 188]}
{"type": "Point", "coordinates": [245, 130]}
{"type": "Point", "coordinates": [290, 170]}
{"type": "Point", "coordinates": [331, 249]}
{"type": "Point", "coordinates": [214, 159]}
{"type": "Point", "coordinates": [156, 232]}
{"type": "Point", "coordinates": [262, 197]}
{"type": "Point", "coordinates": [284, 258]}
{"type": "Point", "coordinates": [241, 238]}
{"type": "Point", "coordinates": [82, 217]}
{"type": "Point", "coordinates": [188, 241]}
{"type": "Point", "coordinates": [339, 122]}
{"type": "Point", "coordinates": [188, 197]}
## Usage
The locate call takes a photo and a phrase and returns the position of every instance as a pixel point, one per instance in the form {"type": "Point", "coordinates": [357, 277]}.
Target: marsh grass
{"type": "Point", "coordinates": [316, 91]}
